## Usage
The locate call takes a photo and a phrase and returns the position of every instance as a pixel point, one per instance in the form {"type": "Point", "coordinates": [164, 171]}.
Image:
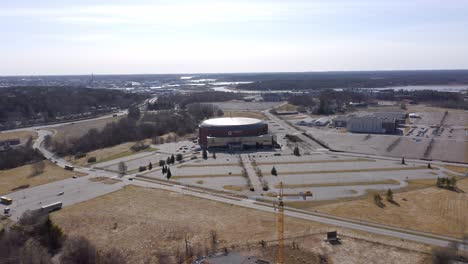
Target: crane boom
{"type": "Point", "coordinates": [280, 225]}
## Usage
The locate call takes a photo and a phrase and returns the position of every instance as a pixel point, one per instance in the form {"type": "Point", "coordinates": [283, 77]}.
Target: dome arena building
{"type": "Point", "coordinates": [234, 133]}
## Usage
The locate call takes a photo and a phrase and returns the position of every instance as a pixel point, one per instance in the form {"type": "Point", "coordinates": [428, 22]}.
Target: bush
{"type": "Point", "coordinates": [78, 250]}
{"type": "Point", "coordinates": [162, 163]}
{"type": "Point", "coordinates": [179, 157]}
{"type": "Point", "coordinates": [142, 168]}
{"type": "Point", "coordinates": [80, 155]}
{"type": "Point", "coordinates": [91, 159]}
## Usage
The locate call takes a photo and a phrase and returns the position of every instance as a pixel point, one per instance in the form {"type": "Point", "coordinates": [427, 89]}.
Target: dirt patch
{"type": "Point", "coordinates": [98, 179]}
{"type": "Point", "coordinates": [22, 135]}
{"type": "Point", "coordinates": [162, 220]}
{"type": "Point", "coordinates": [431, 209]}
{"type": "Point", "coordinates": [111, 181]}
{"type": "Point", "coordinates": [21, 176]}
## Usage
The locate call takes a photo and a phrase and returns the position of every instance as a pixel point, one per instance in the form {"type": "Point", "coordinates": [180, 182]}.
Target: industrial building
{"type": "Point", "coordinates": [234, 133]}
{"type": "Point", "coordinates": [378, 122]}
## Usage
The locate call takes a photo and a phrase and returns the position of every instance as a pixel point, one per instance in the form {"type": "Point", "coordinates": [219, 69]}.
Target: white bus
{"type": "Point", "coordinates": [52, 207]}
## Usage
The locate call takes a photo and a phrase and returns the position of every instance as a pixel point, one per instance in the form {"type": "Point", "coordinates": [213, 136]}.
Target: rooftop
{"type": "Point", "coordinates": [230, 121]}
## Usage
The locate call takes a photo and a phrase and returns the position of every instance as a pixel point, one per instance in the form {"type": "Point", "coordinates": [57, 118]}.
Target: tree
{"type": "Point", "coordinates": [429, 166]}
{"type": "Point", "coordinates": [179, 157]}
{"type": "Point", "coordinates": [439, 182]}
{"type": "Point", "coordinates": [403, 161]}
{"type": "Point", "coordinates": [162, 163]}
{"type": "Point", "coordinates": [168, 160]}
{"type": "Point", "coordinates": [169, 174]}
{"type": "Point", "coordinates": [150, 166]}
{"type": "Point", "coordinates": [403, 106]}
{"type": "Point", "coordinates": [78, 250]}
{"type": "Point", "coordinates": [274, 172]}
{"type": "Point", "coordinates": [214, 155]}
{"type": "Point", "coordinates": [134, 113]}
{"type": "Point", "coordinates": [205, 154]}
{"type": "Point", "coordinates": [378, 200]}
{"type": "Point", "coordinates": [296, 151]}
{"type": "Point", "coordinates": [122, 168]}
{"type": "Point", "coordinates": [38, 168]}
{"type": "Point", "coordinates": [47, 141]}
{"type": "Point", "coordinates": [389, 195]}
{"type": "Point", "coordinates": [453, 182]}
{"type": "Point", "coordinates": [172, 159]}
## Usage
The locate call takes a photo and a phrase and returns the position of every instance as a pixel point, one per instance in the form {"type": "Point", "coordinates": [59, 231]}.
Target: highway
{"type": "Point", "coordinates": [80, 189]}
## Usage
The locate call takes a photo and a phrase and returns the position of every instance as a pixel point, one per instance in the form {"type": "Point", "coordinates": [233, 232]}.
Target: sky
{"type": "Point", "coordinates": [140, 36]}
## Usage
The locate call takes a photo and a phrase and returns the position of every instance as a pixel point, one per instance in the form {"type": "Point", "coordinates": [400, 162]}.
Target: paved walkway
{"type": "Point", "coordinates": [249, 169]}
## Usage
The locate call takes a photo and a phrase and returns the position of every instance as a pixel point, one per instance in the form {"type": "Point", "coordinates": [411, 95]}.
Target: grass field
{"type": "Point", "coordinates": [22, 135]}
{"type": "Point", "coordinates": [146, 223]}
{"type": "Point", "coordinates": [106, 154]}
{"type": "Point", "coordinates": [10, 179]}
{"type": "Point", "coordinates": [314, 161]}
{"type": "Point", "coordinates": [458, 169]}
{"type": "Point", "coordinates": [430, 209]}
{"type": "Point", "coordinates": [352, 170]}
{"type": "Point", "coordinates": [66, 132]}
{"type": "Point", "coordinates": [305, 185]}
{"type": "Point", "coordinates": [206, 176]}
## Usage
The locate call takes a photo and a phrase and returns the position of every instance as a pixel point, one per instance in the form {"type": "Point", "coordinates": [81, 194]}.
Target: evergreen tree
{"type": "Point", "coordinates": [389, 195]}
{"type": "Point", "coordinates": [214, 155]}
{"type": "Point", "coordinates": [274, 172]}
{"type": "Point", "coordinates": [172, 159]}
{"type": "Point", "coordinates": [429, 166]}
{"type": "Point", "coordinates": [150, 166]}
{"type": "Point", "coordinates": [439, 182]}
{"type": "Point", "coordinates": [403, 160]}
{"type": "Point", "coordinates": [453, 182]}
{"type": "Point", "coordinates": [205, 154]}
{"type": "Point", "coordinates": [296, 151]}
{"type": "Point", "coordinates": [169, 174]}
{"type": "Point", "coordinates": [168, 161]}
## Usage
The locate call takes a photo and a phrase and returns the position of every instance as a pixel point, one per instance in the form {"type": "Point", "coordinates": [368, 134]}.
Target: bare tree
{"type": "Point", "coordinates": [78, 250]}
{"type": "Point", "coordinates": [38, 168]}
{"type": "Point", "coordinates": [122, 168]}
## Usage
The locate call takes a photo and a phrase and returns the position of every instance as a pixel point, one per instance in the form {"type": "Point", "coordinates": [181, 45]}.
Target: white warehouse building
{"type": "Point", "coordinates": [365, 124]}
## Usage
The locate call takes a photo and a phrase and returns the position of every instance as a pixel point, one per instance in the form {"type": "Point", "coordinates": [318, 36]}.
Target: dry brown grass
{"type": "Point", "coordinates": [258, 115]}
{"type": "Point", "coordinates": [206, 176]}
{"type": "Point", "coordinates": [208, 165]}
{"type": "Point", "coordinates": [286, 186]}
{"type": "Point", "coordinates": [458, 169]}
{"type": "Point", "coordinates": [314, 161]}
{"type": "Point", "coordinates": [106, 154]}
{"type": "Point", "coordinates": [235, 188]}
{"type": "Point", "coordinates": [144, 222]}
{"type": "Point", "coordinates": [430, 209]}
{"type": "Point", "coordinates": [200, 182]}
{"type": "Point", "coordinates": [10, 179]}
{"type": "Point", "coordinates": [353, 170]}
{"type": "Point", "coordinates": [66, 132]}
{"type": "Point", "coordinates": [22, 135]}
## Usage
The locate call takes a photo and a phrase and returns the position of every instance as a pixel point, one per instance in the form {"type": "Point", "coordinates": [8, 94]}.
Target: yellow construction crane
{"type": "Point", "coordinates": [280, 224]}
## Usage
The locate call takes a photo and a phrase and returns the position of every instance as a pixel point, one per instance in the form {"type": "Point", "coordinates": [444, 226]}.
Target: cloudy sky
{"type": "Point", "coordinates": [141, 36]}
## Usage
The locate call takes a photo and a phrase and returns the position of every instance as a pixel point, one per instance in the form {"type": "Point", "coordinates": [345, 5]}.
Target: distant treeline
{"type": "Point", "coordinates": [325, 80]}
{"type": "Point", "coordinates": [135, 128]}
{"type": "Point", "coordinates": [435, 98]}
{"type": "Point", "coordinates": [47, 103]}
{"type": "Point", "coordinates": [166, 102]}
